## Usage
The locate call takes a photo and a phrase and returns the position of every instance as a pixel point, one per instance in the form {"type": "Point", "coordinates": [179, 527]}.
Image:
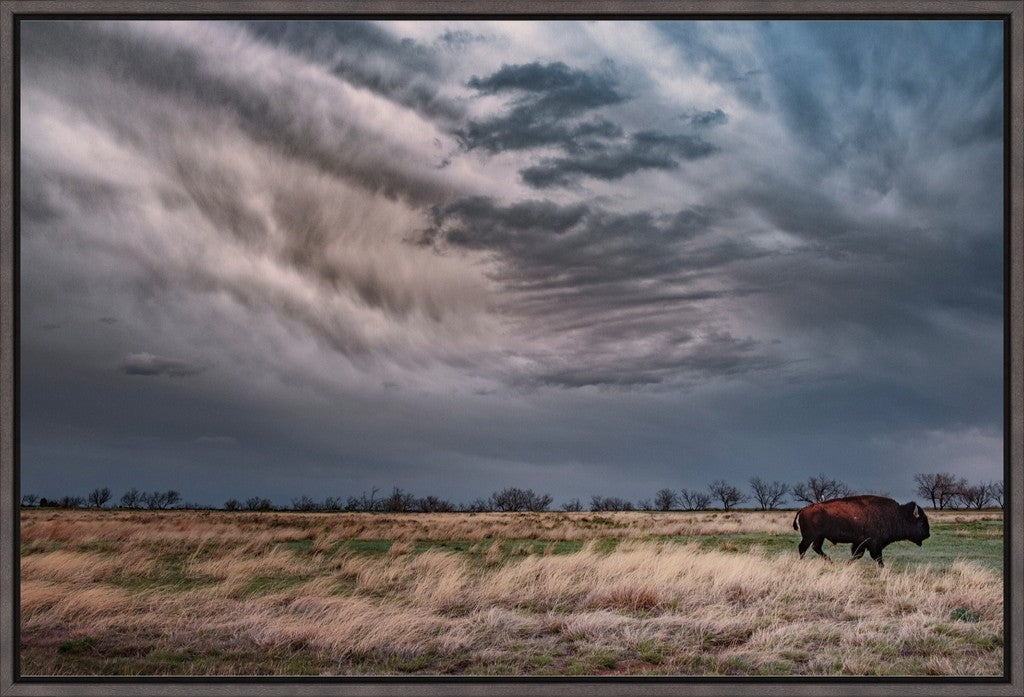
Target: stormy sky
{"type": "Point", "coordinates": [277, 258]}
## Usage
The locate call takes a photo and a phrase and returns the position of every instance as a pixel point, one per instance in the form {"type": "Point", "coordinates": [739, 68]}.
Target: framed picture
{"type": "Point", "coordinates": [395, 348]}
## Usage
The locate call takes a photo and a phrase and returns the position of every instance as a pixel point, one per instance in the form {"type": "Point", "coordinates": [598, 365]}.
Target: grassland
{"type": "Point", "coordinates": [216, 593]}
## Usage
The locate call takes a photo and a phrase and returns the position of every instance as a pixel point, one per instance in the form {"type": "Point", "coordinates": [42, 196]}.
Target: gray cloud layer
{"type": "Point", "coordinates": [550, 94]}
{"type": "Point", "coordinates": [451, 252]}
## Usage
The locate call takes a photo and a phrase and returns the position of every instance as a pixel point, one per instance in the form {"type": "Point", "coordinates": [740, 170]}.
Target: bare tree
{"type": "Point", "coordinates": [768, 496]}
{"type": "Point", "coordinates": [161, 499]}
{"type": "Point", "coordinates": [996, 490]}
{"type": "Point", "coordinates": [363, 502]}
{"type": "Point", "coordinates": [665, 499]}
{"type": "Point", "coordinates": [479, 505]}
{"type": "Point", "coordinates": [305, 503]}
{"type": "Point", "coordinates": [609, 503]}
{"type": "Point", "coordinates": [951, 495]}
{"type": "Point", "coordinates": [539, 503]}
{"type": "Point", "coordinates": [232, 505]}
{"type": "Point", "coordinates": [398, 501]}
{"type": "Point", "coordinates": [515, 499]}
{"type": "Point", "coordinates": [820, 488]}
{"type": "Point", "coordinates": [928, 486]}
{"type": "Point", "coordinates": [975, 496]}
{"type": "Point", "coordinates": [434, 504]}
{"type": "Point", "coordinates": [694, 500]}
{"type": "Point", "coordinates": [29, 499]}
{"type": "Point", "coordinates": [70, 502]}
{"type": "Point", "coordinates": [727, 493]}
{"type": "Point", "coordinates": [801, 492]}
{"type": "Point", "coordinates": [333, 503]}
{"type": "Point", "coordinates": [941, 488]}
{"type": "Point", "coordinates": [99, 497]}
{"type": "Point", "coordinates": [573, 506]}
{"type": "Point", "coordinates": [258, 503]}
{"type": "Point", "coordinates": [133, 498]}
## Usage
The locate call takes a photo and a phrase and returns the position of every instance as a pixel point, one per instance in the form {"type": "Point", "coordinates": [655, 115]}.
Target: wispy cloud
{"type": "Point", "coordinates": [149, 365]}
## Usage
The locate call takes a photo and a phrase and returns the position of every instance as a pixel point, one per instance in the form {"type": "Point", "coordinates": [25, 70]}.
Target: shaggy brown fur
{"type": "Point", "coordinates": [866, 522]}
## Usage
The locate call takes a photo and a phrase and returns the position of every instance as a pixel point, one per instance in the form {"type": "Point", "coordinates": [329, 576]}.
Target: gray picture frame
{"type": "Point", "coordinates": [1012, 11]}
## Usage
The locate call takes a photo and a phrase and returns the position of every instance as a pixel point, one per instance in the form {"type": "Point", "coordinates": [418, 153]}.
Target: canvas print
{"type": "Point", "coordinates": [510, 348]}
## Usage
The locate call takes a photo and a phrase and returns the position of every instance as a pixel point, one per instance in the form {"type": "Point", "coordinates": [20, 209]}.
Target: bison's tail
{"type": "Point", "coordinates": [796, 523]}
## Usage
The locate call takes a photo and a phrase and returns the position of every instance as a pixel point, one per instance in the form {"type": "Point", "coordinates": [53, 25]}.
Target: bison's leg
{"type": "Point", "coordinates": [816, 546]}
{"type": "Point", "coordinates": [876, 554]}
{"type": "Point", "coordinates": [802, 547]}
{"type": "Point", "coordinates": [857, 550]}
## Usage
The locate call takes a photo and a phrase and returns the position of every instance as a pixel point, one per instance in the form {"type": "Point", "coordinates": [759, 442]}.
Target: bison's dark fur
{"type": "Point", "coordinates": [866, 522]}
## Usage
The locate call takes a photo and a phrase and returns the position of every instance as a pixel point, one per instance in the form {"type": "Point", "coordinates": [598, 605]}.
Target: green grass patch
{"type": "Point", "coordinates": [265, 585]}
{"type": "Point", "coordinates": [372, 548]}
{"type": "Point", "coordinates": [975, 541]}
{"type": "Point", "coordinates": [459, 546]}
{"type": "Point", "coordinates": [413, 664]}
{"type": "Point", "coordinates": [163, 656]}
{"type": "Point", "coordinates": [168, 574]}
{"type": "Point", "coordinates": [511, 547]}
{"type": "Point", "coordinates": [742, 542]}
{"type": "Point", "coordinates": [962, 614]}
{"type": "Point", "coordinates": [99, 546]}
{"type": "Point", "coordinates": [604, 659]}
{"type": "Point", "coordinates": [298, 546]}
{"type": "Point", "coordinates": [77, 645]}
{"type": "Point", "coordinates": [983, 544]}
{"type": "Point", "coordinates": [541, 660]}
{"type": "Point", "coordinates": [650, 651]}
{"type": "Point", "coordinates": [41, 547]}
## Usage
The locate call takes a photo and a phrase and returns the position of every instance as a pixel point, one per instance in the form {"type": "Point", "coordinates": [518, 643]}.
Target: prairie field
{"type": "Point", "coordinates": [112, 592]}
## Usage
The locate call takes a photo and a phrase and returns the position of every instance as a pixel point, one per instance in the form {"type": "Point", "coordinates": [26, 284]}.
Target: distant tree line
{"type": "Point", "coordinates": [943, 490]}
{"type": "Point", "coordinates": [98, 498]}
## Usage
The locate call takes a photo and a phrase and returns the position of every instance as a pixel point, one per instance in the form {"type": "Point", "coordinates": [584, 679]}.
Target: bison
{"type": "Point", "coordinates": [866, 522]}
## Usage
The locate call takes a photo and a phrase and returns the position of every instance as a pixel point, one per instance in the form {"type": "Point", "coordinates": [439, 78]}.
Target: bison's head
{"type": "Point", "coordinates": [917, 523]}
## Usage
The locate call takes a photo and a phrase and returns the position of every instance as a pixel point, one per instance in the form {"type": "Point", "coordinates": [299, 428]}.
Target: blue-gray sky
{"type": "Point", "coordinates": [285, 258]}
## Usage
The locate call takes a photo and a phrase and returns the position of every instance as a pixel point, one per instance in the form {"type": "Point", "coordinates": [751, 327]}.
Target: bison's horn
{"type": "Point", "coordinates": [917, 511]}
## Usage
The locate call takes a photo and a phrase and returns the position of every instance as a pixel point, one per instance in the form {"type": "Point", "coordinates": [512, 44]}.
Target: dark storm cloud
{"type": "Point", "coordinates": [677, 355]}
{"type": "Point", "coordinates": [364, 54]}
{"type": "Point", "coordinates": [543, 244]}
{"type": "Point", "coordinates": [55, 195]}
{"type": "Point", "coordinates": [643, 150]}
{"type": "Point", "coordinates": [230, 159]}
{"type": "Point", "coordinates": [459, 38]}
{"type": "Point", "coordinates": [707, 119]}
{"type": "Point", "coordinates": [520, 129]}
{"type": "Point", "coordinates": [850, 102]}
{"type": "Point", "coordinates": [603, 281]}
{"type": "Point", "coordinates": [268, 116]}
{"type": "Point", "coordinates": [883, 116]}
{"type": "Point", "coordinates": [149, 365]}
{"type": "Point", "coordinates": [546, 95]}
{"type": "Point", "coordinates": [549, 95]}
{"type": "Point", "coordinates": [557, 89]}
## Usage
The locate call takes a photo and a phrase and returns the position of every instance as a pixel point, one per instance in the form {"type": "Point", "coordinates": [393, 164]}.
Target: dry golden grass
{"type": "Point", "coordinates": [256, 529]}
{"type": "Point", "coordinates": [216, 593]}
